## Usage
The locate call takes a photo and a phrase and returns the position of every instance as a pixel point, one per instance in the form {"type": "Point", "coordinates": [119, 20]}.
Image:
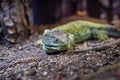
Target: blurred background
{"type": "Point", "coordinates": [21, 18]}
{"type": "Point", "coordinates": [47, 11]}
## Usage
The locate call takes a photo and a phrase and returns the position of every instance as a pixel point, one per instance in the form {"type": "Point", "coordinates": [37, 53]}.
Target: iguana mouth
{"type": "Point", "coordinates": [51, 48]}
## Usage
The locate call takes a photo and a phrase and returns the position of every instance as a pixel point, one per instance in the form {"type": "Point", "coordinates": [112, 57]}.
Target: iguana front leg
{"type": "Point", "coordinates": [38, 42]}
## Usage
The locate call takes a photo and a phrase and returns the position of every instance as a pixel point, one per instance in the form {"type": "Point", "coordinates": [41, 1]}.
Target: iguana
{"type": "Point", "coordinates": [65, 36]}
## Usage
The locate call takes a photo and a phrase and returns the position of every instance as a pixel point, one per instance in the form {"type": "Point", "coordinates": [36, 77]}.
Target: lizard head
{"type": "Point", "coordinates": [56, 40]}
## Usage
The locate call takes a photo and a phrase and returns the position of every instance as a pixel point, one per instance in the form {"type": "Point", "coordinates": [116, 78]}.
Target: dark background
{"type": "Point", "coordinates": [47, 11]}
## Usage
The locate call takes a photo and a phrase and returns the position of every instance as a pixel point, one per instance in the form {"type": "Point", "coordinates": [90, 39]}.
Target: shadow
{"type": "Point", "coordinates": [56, 53]}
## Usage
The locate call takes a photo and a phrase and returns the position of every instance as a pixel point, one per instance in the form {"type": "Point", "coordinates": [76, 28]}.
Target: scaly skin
{"type": "Point", "coordinates": [65, 36]}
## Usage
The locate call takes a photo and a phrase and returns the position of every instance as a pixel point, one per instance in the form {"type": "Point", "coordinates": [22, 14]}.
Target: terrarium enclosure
{"type": "Point", "coordinates": [24, 22]}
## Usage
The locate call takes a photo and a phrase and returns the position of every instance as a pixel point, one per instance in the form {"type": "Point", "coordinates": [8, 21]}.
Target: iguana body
{"type": "Point", "coordinates": [65, 36]}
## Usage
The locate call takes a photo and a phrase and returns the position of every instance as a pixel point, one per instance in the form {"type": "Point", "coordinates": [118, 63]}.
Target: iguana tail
{"type": "Point", "coordinates": [112, 32]}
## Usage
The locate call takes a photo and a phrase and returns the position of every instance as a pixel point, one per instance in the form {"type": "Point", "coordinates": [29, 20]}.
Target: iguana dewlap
{"type": "Point", "coordinates": [65, 36]}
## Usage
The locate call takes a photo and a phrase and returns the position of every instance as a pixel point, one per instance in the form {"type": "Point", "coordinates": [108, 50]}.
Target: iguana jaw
{"type": "Point", "coordinates": [52, 49]}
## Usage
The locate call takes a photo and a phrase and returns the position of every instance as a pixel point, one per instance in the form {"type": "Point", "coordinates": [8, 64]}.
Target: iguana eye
{"type": "Point", "coordinates": [56, 40]}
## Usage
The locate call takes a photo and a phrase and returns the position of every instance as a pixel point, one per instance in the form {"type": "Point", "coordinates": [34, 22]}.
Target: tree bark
{"type": "Point", "coordinates": [14, 20]}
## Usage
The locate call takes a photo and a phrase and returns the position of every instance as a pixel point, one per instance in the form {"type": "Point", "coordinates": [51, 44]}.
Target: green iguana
{"type": "Point", "coordinates": [65, 36]}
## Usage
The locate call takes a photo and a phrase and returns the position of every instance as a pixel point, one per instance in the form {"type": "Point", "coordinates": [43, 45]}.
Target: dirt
{"type": "Point", "coordinates": [22, 61]}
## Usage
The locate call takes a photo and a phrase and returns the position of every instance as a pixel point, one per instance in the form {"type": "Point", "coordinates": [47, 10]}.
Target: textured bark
{"type": "Point", "coordinates": [14, 20]}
